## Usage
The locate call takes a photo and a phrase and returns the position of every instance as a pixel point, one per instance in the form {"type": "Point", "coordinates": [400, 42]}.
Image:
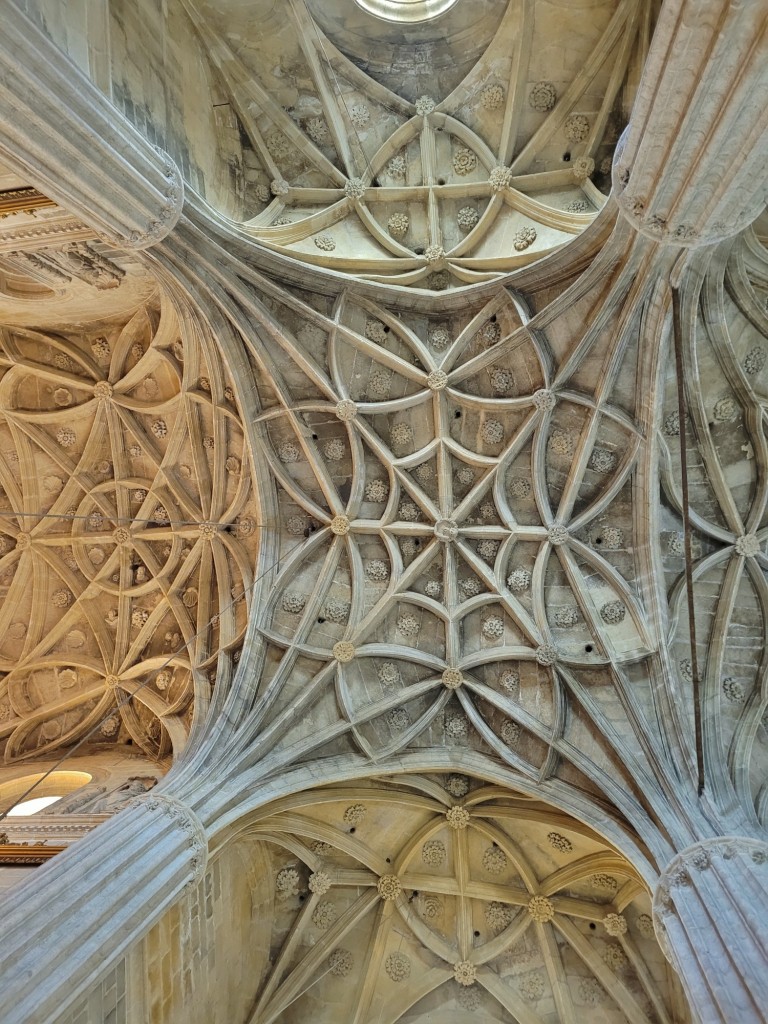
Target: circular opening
{"type": "Point", "coordinates": [411, 11]}
{"type": "Point", "coordinates": [588, 648]}
{"type": "Point", "coordinates": [27, 807]}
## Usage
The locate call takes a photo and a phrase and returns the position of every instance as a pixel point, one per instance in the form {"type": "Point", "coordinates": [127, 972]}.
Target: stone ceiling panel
{"type": "Point", "coordinates": [438, 897]}
{"type": "Point", "coordinates": [127, 547]}
{"type": "Point", "coordinates": [439, 184]}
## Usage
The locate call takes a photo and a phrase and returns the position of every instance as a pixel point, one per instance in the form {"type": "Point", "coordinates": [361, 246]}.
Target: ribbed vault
{"type": "Point", "coordinates": [436, 896]}
{"type": "Point", "coordinates": [485, 170]}
{"type": "Point", "coordinates": [127, 550]}
{"type": "Point", "coordinates": [402, 441]}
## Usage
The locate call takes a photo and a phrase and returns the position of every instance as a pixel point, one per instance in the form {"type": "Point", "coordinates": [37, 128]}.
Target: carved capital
{"type": "Point", "coordinates": [700, 856]}
{"type": "Point", "coordinates": [689, 170]}
{"type": "Point", "coordinates": [168, 210]}
{"type": "Point", "coordinates": [69, 141]}
{"type": "Point", "coordinates": [184, 818]}
{"type": "Point", "coordinates": [708, 914]}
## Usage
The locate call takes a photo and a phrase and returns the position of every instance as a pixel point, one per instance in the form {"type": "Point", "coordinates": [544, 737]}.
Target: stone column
{"type": "Point", "coordinates": [66, 138]}
{"type": "Point", "coordinates": [71, 920]}
{"type": "Point", "coordinates": [710, 912]}
{"type": "Point", "coordinates": [690, 169]}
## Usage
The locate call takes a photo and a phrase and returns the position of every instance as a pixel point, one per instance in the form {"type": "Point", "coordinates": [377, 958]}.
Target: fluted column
{"type": "Point", "coordinates": [77, 914]}
{"type": "Point", "coordinates": [691, 167]}
{"type": "Point", "coordinates": [67, 139]}
{"type": "Point", "coordinates": [710, 911]}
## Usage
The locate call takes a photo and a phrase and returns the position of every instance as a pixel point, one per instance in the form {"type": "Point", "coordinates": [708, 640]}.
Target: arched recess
{"type": "Point", "coordinates": [439, 894]}
{"type": "Point", "coordinates": [59, 783]}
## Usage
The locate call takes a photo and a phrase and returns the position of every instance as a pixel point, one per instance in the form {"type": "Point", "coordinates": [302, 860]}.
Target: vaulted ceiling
{"type": "Point", "coordinates": [432, 157]}
{"type": "Point", "coordinates": [127, 543]}
{"type": "Point", "coordinates": [391, 421]}
{"type": "Point", "coordinates": [494, 911]}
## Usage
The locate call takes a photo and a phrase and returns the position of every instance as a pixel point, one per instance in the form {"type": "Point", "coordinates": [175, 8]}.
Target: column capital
{"type": "Point", "coordinates": [68, 140]}
{"type": "Point", "coordinates": [699, 857]}
{"type": "Point", "coordinates": [690, 169]}
{"type": "Point", "coordinates": [709, 918]}
{"type": "Point", "coordinates": [184, 818]}
{"type": "Point", "coordinates": [85, 907]}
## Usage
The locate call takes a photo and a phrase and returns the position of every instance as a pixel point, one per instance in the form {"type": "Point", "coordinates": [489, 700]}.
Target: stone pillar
{"type": "Point", "coordinates": [69, 922]}
{"type": "Point", "coordinates": [710, 912]}
{"type": "Point", "coordinates": [690, 169]}
{"type": "Point", "coordinates": [66, 138]}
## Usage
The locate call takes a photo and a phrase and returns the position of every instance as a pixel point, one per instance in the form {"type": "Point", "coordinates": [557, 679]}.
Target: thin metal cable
{"type": "Point", "coordinates": [120, 519]}
{"type": "Point", "coordinates": [150, 679]}
{"type": "Point", "coordinates": [677, 335]}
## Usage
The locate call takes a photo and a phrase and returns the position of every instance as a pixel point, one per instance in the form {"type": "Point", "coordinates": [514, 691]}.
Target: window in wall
{"type": "Point", "coordinates": [27, 807]}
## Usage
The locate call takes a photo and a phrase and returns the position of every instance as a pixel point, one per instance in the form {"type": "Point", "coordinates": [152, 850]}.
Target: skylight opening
{"type": "Point", "coordinates": [410, 11]}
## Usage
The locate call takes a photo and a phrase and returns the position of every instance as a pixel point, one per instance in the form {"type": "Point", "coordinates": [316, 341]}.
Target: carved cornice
{"type": "Point", "coordinates": [22, 200]}
{"type": "Point", "coordinates": [40, 234]}
{"type": "Point", "coordinates": [32, 854]}
{"type": "Point", "coordinates": [66, 828]}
